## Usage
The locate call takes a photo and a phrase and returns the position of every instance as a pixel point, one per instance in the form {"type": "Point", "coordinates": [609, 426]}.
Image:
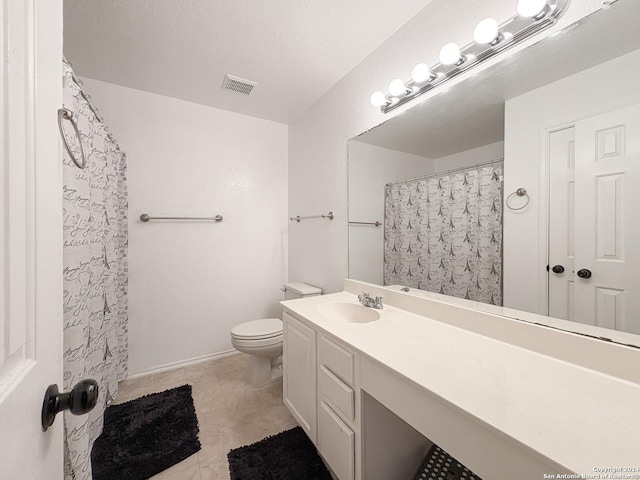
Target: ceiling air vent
{"type": "Point", "coordinates": [237, 85]}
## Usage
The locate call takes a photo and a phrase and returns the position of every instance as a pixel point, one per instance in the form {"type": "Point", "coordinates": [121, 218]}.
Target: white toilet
{"type": "Point", "coordinates": [262, 339]}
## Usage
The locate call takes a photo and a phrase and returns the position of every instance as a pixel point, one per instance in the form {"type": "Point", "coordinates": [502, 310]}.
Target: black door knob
{"type": "Point", "coordinates": [584, 273]}
{"type": "Point", "coordinates": [557, 269]}
{"type": "Point", "coordinates": [80, 400]}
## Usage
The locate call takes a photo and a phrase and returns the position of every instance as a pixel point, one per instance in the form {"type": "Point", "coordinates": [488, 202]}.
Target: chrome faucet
{"type": "Point", "coordinates": [372, 302]}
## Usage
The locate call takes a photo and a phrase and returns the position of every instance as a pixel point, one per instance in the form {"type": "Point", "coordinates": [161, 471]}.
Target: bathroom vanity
{"type": "Point", "coordinates": [509, 399]}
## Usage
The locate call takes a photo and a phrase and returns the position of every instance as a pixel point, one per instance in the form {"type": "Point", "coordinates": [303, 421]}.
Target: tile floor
{"type": "Point", "coordinates": [230, 412]}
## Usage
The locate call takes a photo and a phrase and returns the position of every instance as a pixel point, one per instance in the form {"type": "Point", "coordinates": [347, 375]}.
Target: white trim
{"type": "Point", "coordinates": [543, 224]}
{"type": "Point", "coordinates": [182, 363]}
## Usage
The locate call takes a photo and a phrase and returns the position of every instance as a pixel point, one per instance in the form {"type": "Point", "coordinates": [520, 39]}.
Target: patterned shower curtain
{"type": "Point", "coordinates": [95, 271]}
{"type": "Point", "coordinates": [444, 234]}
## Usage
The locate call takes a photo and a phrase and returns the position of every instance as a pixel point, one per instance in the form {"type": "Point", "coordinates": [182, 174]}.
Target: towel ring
{"type": "Point", "coordinates": [521, 192]}
{"type": "Point", "coordinates": [65, 114]}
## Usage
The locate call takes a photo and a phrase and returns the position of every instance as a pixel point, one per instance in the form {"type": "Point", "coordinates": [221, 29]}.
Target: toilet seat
{"type": "Point", "coordinates": [263, 329]}
{"type": "Point", "coordinates": [251, 343]}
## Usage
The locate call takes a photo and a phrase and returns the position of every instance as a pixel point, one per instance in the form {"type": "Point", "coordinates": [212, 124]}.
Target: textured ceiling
{"type": "Point", "coordinates": [295, 49]}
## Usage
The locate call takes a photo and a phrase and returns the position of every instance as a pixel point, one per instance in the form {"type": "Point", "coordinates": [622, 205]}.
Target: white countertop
{"type": "Point", "coordinates": [577, 417]}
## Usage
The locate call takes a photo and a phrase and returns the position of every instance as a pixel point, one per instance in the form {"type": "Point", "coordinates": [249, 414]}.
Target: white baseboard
{"type": "Point", "coordinates": [182, 363]}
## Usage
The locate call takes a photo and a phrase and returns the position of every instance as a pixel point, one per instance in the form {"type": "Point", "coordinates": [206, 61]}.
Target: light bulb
{"type": "Point", "coordinates": [421, 73]}
{"type": "Point", "coordinates": [450, 54]}
{"type": "Point", "coordinates": [486, 31]}
{"type": "Point", "coordinates": [378, 99]}
{"type": "Point", "coordinates": [531, 8]}
{"type": "Point", "coordinates": [397, 88]}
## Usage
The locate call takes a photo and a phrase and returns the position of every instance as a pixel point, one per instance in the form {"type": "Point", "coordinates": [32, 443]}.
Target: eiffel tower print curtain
{"type": "Point", "coordinates": [95, 271]}
{"type": "Point", "coordinates": [444, 234]}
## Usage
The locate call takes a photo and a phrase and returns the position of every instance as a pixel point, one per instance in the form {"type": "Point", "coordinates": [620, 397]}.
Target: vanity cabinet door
{"type": "Point", "coordinates": [336, 443]}
{"type": "Point", "coordinates": [299, 370]}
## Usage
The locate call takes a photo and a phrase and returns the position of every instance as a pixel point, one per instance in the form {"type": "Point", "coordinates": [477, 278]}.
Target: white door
{"type": "Point", "coordinates": [562, 223]}
{"type": "Point", "coordinates": [30, 237]}
{"type": "Point", "coordinates": [606, 268]}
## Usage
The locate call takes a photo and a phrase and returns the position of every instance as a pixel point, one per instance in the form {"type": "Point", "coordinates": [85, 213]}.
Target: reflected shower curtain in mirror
{"type": "Point", "coordinates": [443, 234]}
{"type": "Point", "coordinates": [95, 271]}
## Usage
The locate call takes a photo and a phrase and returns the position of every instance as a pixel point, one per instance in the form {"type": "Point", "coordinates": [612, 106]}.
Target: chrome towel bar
{"type": "Point", "coordinates": [375, 224]}
{"type": "Point", "coordinates": [145, 217]}
{"type": "Point", "coordinates": [298, 218]}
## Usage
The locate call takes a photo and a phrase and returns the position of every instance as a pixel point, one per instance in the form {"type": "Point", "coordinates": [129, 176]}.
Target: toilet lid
{"type": "Point", "coordinates": [263, 328]}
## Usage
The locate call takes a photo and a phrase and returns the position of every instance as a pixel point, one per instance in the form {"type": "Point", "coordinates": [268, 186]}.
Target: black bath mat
{"type": "Point", "coordinates": [439, 465]}
{"type": "Point", "coordinates": [145, 436]}
{"type": "Point", "coordinates": [289, 455]}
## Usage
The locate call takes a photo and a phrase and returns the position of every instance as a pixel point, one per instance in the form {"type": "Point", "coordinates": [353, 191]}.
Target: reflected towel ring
{"type": "Point", "coordinates": [521, 192]}
{"type": "Point", "coordinates": [65, 114]}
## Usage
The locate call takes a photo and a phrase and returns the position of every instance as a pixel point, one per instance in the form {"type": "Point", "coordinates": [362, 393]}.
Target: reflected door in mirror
{"type": "Point", "coordinates": [592, 221]}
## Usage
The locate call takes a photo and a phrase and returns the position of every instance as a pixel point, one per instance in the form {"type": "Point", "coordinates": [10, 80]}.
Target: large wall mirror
{"type": "Point", "coordinates": [437, 202]}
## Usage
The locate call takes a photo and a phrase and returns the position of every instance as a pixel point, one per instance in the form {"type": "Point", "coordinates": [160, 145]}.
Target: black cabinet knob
{"type": "Point", "coordinates": [80, 400]}
{"type": "Point", "coordinates": [557, 269]}
{"type": "Point", "coordinates": [584, 273]}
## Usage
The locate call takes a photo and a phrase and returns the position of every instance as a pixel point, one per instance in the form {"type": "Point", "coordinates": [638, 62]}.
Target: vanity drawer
{"type": "Point", "coordinates": [336, 443]}
{"type": "Point", "coordinates": [336, 359]}
{"type": "Point", "coordinates": [338, 392]}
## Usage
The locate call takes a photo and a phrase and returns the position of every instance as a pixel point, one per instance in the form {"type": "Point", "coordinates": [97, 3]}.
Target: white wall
{"type": "Point", "coordinates": [190, 282]}
{"type": "Point", "coordinates": [469, 158]}
{"type": "Point", "coordinates": [611, 85]}
{"type": "Point", "coordinates": [370, 169]}
{"type": "Point", "coordinates": [318, 139]}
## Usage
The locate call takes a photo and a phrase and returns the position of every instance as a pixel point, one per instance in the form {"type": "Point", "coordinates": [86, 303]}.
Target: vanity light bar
{"type": "Point", "coordinates": [489, 39]}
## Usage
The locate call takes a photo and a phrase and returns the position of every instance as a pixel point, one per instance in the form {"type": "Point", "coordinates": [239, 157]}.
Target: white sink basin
{"type": "Point", "coordinates": [348, 312]}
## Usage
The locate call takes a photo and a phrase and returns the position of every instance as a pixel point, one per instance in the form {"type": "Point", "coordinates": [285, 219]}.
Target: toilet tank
{"type": "Point", "coordinates": [300, 290]}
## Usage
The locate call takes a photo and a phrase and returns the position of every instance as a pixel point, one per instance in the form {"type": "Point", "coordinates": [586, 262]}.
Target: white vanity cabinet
{"type": "Point", "coordinates": [373, 396]}
{"type": "Point", "coordinates": [299, 368]}
{"type": "Point", "coordinates": [320, 390]}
